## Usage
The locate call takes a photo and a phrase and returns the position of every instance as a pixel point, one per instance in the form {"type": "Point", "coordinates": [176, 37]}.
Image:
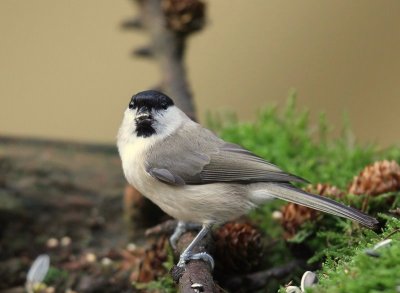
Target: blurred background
{"type": "Point", "coordinates": [67, 72]}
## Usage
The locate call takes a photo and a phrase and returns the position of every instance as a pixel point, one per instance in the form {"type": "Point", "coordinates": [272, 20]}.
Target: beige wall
{"type": "Point", "coordinates": [66, 72]}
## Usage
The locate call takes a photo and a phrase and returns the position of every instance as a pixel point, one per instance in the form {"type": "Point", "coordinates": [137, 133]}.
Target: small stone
{"type": "Point", "coordinates": [52, 243]}
{"type": "Point", "coordinates": [131, 247]}
{"type": "Point", "coordinates": [70, 291]}
{"type": "Point", "coordinates": [65, 241]}
{"type": "Point", "coordinates": [91, 257]}
{"type": "Point", "coordinates": [105, 261]}
{"type": "Point", "coordinates": [277, 215]}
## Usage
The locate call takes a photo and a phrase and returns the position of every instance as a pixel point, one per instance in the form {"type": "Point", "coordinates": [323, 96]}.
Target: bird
{"type": "Point", "coordinates": [200, 179]}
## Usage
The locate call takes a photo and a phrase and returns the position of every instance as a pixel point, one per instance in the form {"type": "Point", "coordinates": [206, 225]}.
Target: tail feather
{"type": "Point", "coordinates": [292, 194]}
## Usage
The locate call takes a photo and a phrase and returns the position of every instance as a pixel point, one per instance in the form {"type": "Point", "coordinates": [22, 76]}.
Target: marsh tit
{"type": "Point", "coordinates": [196, 177]}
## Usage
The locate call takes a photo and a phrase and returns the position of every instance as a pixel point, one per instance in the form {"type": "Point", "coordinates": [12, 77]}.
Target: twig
{"type": "Point", "coordinates": [197, 275]}
{"type": "Point", "coordinates": [395, 212]}
{"type": "Point", "coordinates": [166, 227]}
{"type": "Point", "coordinates": [392, 233]}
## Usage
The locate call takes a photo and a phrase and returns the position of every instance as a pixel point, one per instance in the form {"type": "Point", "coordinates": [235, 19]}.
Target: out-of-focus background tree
{"type": "Point", "coordinates": [66, 70]}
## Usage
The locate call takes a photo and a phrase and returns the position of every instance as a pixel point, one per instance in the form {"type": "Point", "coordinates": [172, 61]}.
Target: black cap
{"type": "Point", "coordinates": [150, 99]}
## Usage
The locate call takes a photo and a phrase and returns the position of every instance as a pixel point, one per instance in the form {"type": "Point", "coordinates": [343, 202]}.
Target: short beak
{"type": "Point", "coordinates": [143, 114]}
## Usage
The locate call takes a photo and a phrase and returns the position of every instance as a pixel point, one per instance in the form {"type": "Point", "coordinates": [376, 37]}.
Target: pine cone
{"type": "Point", "coordinates": [325, 189]}
{"type": "Point", "coordinates": [294, 215]}
{"type": "Point", "coordinates": [239, 248]}
{"type": "Point", "coordinates": [184, 16]}
{"type": "Point", "coordinates": [377, 178]}
{"type": "Point", "coordinates": [152, 265]}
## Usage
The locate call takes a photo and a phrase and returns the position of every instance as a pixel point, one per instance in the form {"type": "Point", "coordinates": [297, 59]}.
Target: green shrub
{"type": "Point", "coordinates": [287, 139]}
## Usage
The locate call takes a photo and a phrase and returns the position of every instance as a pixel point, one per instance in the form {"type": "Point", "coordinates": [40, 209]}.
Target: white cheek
{"type": "Point", "coordinates": [168, 121]}
{"type": "Point", "coordinates": [129, 121]}
{"type": "Point", "coordinates": [130, 114]}
{"type": "Point", "coordinates": [127, 127]}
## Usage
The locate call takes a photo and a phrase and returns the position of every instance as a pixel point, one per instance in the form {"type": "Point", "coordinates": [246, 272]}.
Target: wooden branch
{"type": "Point", "coordinates": [197, 275]}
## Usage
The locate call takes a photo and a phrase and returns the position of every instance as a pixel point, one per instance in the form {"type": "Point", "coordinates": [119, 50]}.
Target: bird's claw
{"type": "Point", "coordinates": [185, 258]}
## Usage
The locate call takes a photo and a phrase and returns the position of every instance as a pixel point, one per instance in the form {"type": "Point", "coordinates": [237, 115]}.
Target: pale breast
{"type": "Point", "coordinates": [133, 161]}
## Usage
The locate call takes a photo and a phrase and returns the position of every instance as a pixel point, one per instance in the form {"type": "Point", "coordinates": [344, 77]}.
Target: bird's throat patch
{"type": "Point", "coordinates": [144, 130]}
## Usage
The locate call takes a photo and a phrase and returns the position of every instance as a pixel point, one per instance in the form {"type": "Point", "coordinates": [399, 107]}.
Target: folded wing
{"type": "Point", "coordinates": [194, 155]}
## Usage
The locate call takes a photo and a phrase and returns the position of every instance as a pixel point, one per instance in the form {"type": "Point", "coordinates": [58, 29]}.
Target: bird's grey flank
{"type": "Point", "coordinates": [196, 177]}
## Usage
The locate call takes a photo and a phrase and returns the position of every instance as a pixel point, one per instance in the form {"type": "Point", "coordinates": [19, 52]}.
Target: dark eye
{"type": "Point", "coordinates": [132, 105]}
{"type": "Point", "coordinates": [164, 105]}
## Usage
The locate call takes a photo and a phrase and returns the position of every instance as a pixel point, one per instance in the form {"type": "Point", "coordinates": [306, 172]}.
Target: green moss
{"type": "Point", "coordinates": [55, 276]}
{"type": "Point", "coordinates": [352, 270]}
{"type": "Point", "coordinates": [287, 138]}
{"type": "Point", "coordinates": [162, 285]}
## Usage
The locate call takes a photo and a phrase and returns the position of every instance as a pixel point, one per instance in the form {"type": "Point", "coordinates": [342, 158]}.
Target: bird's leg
{"type": "Point", "coordinates": [187, 253]}
{"type": "Point", "coordinates": [180, 229]}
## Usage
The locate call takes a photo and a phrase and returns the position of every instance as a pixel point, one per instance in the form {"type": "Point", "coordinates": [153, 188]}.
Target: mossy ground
{"type": "Point", "coordinates": [353, 270]}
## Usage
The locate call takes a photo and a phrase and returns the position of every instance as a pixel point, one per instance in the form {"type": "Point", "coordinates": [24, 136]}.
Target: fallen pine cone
{"type": "Point", "coordinates": [294, 215]}
{"type": "Point", "coordinates": [377, 178]}
{"type": "Point", "coordinates": [326, 190]}
{"type": "Point", "coordinates": [152, 265]}
{"type": "Point", "coordinates": [239, 248]}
